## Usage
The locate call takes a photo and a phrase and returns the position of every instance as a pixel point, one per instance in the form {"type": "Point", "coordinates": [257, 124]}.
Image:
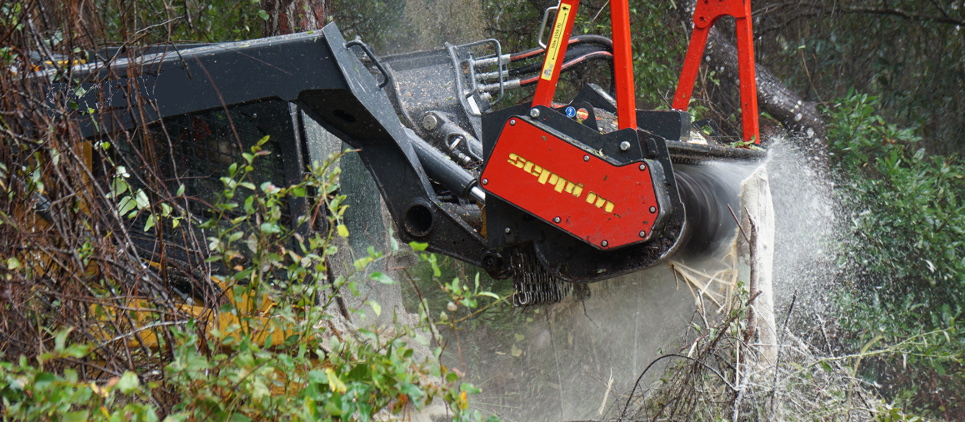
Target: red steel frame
{"type": "Point", "coordinates": [705, 16]}
{"type": "Point", "coordinates": [622, 59]}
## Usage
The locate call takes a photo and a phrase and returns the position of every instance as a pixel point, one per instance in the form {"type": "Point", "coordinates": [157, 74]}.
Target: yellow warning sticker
{"type": "Point", "coordinates": [556, 40]}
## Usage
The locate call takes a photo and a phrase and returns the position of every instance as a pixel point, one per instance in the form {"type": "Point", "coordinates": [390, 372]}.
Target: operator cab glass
{"type": "Point", "coordinates": [195, 151]}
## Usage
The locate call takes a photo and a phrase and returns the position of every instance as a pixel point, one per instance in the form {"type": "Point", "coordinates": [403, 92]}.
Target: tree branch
{"type": "Point", "coordinates": [799, 117]}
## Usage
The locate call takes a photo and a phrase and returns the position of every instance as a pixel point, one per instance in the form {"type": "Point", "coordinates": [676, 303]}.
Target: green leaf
{"type": "Point", "coordinates": [141, 199]}
{"type": "Point", "coordinates": [334, 383]}
{"type": "Point", "coordinates": [342, 230]}
{"type": "Point", "coordinates": [60, 339]}
{"type": "Point", "coordinates": [77, 350]}
{"type": "Point", "coordinates": [271, 228]}
{"type": "Point", "coordinates": [120, 185]}
{"type": "Point", "coordinates": [128, 382]}
{"type": "Point", "coordinates": [375, 307]}
{"type": "Point", "coordinates": [382, 278]}
{"type": "Point", "coordinates": [76, 416]}
{"type": "Point", "coordinates": [126, 205]}
{"type": "Point", "coordinates": [318, 377]}
{"type": "Point", "coordinates": [149, 224]}
{"type": "Point", "coordinates": [44, 380]}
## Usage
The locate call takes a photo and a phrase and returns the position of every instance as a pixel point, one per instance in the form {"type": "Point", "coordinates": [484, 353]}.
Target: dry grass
{"type": "Point", "coordinates": [721, 375]}
{"type": "Point", "coordinates": [70, 261]}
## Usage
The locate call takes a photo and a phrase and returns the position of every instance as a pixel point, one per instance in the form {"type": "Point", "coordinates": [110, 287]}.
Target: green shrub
{"type": "Point", "coordinates": [905, 262]}
{"type": "Point", "coordinates": [276, 351]}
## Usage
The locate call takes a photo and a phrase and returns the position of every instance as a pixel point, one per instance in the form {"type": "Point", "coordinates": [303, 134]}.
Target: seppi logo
{"type": "Point", "coordinates": [559, 184]}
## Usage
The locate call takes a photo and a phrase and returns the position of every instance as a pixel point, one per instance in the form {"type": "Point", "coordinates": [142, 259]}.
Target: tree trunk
{"type": "Point", "coordinates": [290, 16]}
{"type": "Point", "coordinates": [799, 117]}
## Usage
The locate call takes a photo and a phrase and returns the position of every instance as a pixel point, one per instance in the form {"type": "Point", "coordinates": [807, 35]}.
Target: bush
{"type": "Point", "coordinates": [905, 274]}
{"type": "Point", "coordinates": [106, 312]}
{"type": "Point", "coordinates": [272, 350]}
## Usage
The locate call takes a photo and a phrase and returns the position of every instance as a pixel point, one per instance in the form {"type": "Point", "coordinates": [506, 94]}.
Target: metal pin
{"type": "Point", "coordinates": [586, 158]}
{"type": "Point", "coordinates": [604, 243]}
{"type": "Point", "coordinates": [430, 122]}
{"type": "Point", "coordinates": [653, 210]}
{"type": "Point", "coordinates": [624, 146]}
{"type": "Point", "coordinates": [643, 233]}
{"type": "Point", "coordinates": [643, 166]}
{"type": "Point", "coordinates": [512, 122]}
{"type": "Point", "coordinates": [508, 230]}
{"type": "Point", "coordinates": [485, 181]}
{"type": "Point", "coordinates": [534, 113]}
{"type": "Point", "coordinates": [556, 219]}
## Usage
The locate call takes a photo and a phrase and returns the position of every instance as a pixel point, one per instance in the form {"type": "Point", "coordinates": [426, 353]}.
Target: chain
{"type": "Point", "coordinates": [533, 285]}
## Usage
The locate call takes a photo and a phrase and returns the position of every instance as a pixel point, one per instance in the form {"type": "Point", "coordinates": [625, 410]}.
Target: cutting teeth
{"type": "Point", "coordinates": [710, 194]}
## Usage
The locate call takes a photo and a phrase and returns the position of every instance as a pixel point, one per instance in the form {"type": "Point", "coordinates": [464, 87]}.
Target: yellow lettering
{"type": "Point", "coordinates": [516, 160]}
{"type": "Point", "coordinates": [578, 190]}
{"type": "Point", "coordinates": [560, 185]}
{"type": "Point", "coordinates": [544, 175]}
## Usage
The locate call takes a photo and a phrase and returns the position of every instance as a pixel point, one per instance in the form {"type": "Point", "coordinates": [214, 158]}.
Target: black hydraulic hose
{"type": "Point", "coordinates": [599, 55]}
{"type": "Point", "coordinates": [571, 53]}
{"type": "Point", "coordinates": [581, 49]}
{"type": "Point", "coordinates": [578, 39]}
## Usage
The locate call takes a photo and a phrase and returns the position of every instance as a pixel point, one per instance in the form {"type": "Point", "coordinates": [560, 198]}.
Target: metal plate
{"type": "Point", "coordinates": [604, 205]}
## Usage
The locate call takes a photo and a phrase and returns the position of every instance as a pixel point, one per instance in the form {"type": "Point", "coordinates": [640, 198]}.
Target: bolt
{"type": "Point", "coordinates": [653, 210]}
{"type": "Point", "coordinates": [643, 167]}
{"type": "Point", "coordinates": [624, 146]}
{"type": "Point", "coordinates": [586, 158]}
{"type": "Point", "coordinates": [534, 113]}
{"type": "Point", "coordinates": [507, 230]}
{"type": "Point", "coordinates": [604, 243]}
{"type": "Point", "coordinates": [485, 181]}
{"type": "Point", "coordinates": [430, 122]}
{"type": "Point", "coordinates": [643, 233]}
{"type": "Point", "coordinates": [556, 219]}
{"type": "Point", "coordinates": [512, 122]}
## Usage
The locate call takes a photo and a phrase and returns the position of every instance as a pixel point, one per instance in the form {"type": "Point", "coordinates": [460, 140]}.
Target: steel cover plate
{"type": "Point", "coordinates": [605, 205]}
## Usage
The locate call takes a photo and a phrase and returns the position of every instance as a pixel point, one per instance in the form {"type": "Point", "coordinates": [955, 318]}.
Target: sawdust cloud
{"type": "Point", "coordinates": [579, 360]}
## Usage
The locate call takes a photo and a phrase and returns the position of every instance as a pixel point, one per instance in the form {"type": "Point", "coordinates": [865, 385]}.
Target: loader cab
{"type": "Point", "coordinates": [185, 160]}
{"type": "Point", "coordinates": [195, 151]}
